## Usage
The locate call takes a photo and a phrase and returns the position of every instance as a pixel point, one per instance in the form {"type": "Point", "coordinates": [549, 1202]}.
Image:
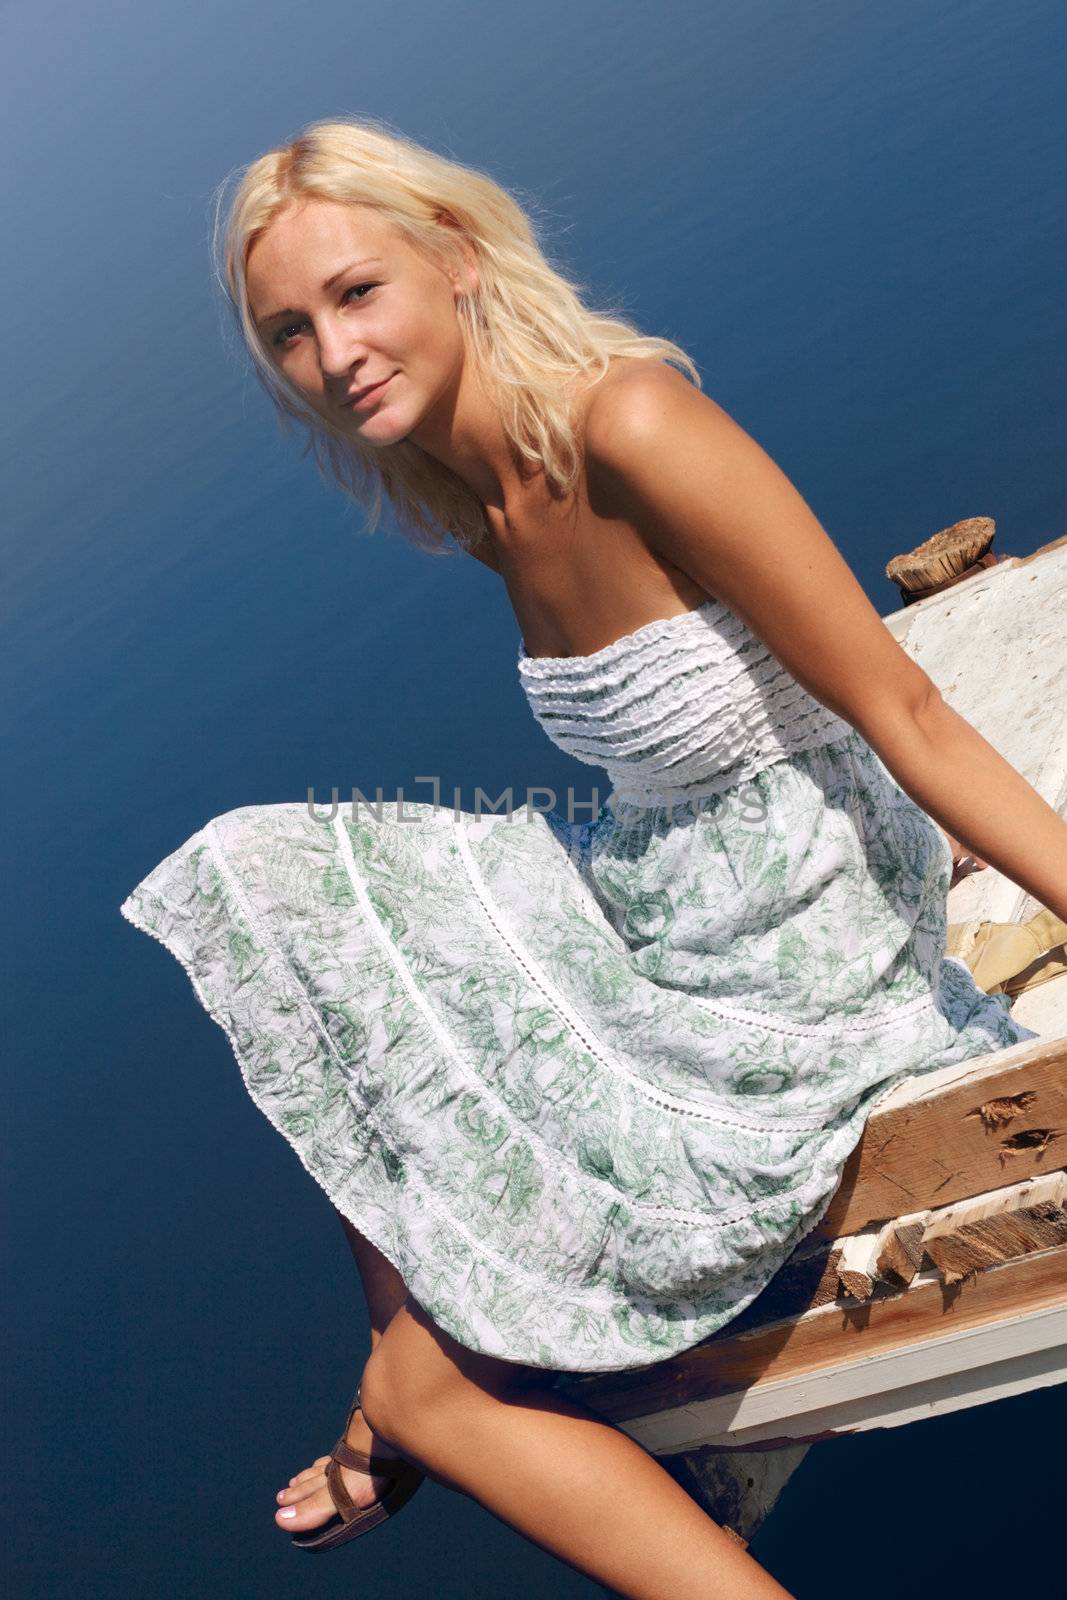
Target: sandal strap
{"type": "Point", "coordinates": [344, 1505]}
{"type": "Point", "coordinates": [349, 1456]}
{"type": "Point", "coordinates": [380, 1466]}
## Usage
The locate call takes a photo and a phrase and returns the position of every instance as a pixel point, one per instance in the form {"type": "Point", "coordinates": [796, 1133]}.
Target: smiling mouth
{"type": "Point", "coordinates": [368, 395]}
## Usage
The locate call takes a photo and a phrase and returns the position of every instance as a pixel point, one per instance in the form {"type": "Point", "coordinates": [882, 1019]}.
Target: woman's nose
{"type": "Point", "coordinates": [338, 350]}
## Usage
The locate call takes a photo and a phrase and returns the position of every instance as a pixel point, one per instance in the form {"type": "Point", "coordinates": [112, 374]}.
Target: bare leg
{"type": "Point", "coordinates": [382, 1283]}
{"type": "Point", "coordinates": [551, 1469]}
{"type": "Point", "coordinates": [305, 1502]}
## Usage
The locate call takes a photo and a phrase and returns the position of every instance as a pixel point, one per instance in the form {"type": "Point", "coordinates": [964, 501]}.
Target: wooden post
{"type": "Point", "coordinates": [738, 1488]}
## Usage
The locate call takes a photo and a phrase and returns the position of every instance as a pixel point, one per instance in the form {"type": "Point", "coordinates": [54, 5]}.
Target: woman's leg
{"type": "Point", "coordinates": [385, 1293]}
{"type": "Point", "coordinates": [382, 1283]}
{"type": "Point", "coordinates": [553, 1470]}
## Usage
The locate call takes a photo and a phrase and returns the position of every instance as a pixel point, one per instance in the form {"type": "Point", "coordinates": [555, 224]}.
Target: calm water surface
{"type": "Point", "coordinates": [852, 215]}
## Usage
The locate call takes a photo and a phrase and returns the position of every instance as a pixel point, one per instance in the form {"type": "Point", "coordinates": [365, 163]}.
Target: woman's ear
{"type": "Point", "coordinates": [467, 282]}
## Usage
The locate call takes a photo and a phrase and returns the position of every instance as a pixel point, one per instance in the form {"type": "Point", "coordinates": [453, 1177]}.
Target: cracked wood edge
{"type": "Point", "coordinates": [957, 1240]}
{"type": "Point", "coordinates": [955, 1133]}
{"type": "Point", "coordinates": [972, 1235]}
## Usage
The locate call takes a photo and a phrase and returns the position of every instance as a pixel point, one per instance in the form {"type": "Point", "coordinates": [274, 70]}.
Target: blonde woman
{"type": "Point", "coordinates": [576, 1088]}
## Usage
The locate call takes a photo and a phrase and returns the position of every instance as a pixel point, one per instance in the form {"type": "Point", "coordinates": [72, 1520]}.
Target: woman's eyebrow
{"type": "Point", "coordinates": [271, 316]}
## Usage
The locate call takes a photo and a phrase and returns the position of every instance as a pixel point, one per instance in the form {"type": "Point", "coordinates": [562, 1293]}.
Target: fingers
{"type": "Point", "coordinates": [964, 865]}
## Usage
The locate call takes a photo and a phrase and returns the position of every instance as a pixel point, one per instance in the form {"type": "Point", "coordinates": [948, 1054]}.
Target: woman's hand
{"type": "Point", "coordinates": [964, 862]}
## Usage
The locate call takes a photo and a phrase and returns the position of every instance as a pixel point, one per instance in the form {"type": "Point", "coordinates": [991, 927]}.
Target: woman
{"type": "Point", "coordinates": [575, 1088]}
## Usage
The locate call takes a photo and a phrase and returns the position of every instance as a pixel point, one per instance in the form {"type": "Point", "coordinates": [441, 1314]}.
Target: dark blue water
{"type": "Point", "coordinates": [852, 215]}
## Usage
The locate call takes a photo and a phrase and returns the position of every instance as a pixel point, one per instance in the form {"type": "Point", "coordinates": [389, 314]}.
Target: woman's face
{"type": "Point", "coordinates": [342, 302]}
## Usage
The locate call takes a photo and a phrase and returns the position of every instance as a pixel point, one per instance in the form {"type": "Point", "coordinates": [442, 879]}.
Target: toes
{"type": "Point", "coordinates": [297, 1492]}
{"type": "Point", "coordinates": [315, 1471]}
{"type": "Point", "coordinates": [310, 1512]}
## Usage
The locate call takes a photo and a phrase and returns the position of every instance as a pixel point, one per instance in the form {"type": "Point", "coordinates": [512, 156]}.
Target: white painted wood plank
{"type": "Point", "coordinates": [996, 646]}
{"type": "Point", "coordinates": [913, 1403]}
{"type": "Point", "coordinates": [961, 1363]}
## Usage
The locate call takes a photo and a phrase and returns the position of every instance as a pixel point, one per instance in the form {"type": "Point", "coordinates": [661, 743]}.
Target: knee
{"type": "Point", "coordinates": [398, 1396]}
{"type": "Point", "coordinates": [418, 1383]}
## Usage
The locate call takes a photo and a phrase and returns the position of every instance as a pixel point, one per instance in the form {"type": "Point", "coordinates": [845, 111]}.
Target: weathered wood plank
{"type": "Point", "coordinates": [857, 1269]}
{"type": "Point", "coordinates": [902, 1247]}
{"type": "Point", "coordinates": [952, 1134]}
{"type": "Point", "coordinates": [974, 1234]}
{"type": "Point", "coordinates": [967, 1367]}
{"type": "Point", "coordinates": [829, 1337]}
{"type": "Point", "coordinates": [966, 1236]}
{"type": "Point", "coordinates": [886, 1257]}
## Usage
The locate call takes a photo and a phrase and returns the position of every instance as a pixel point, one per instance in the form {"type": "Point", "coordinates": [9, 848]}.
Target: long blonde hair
{"type": "Point", "coordinates": [525, 326]}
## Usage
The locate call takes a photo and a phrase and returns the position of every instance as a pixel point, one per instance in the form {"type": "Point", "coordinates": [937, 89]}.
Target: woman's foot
{"type": "Point", "coordinates": [305, 1504]}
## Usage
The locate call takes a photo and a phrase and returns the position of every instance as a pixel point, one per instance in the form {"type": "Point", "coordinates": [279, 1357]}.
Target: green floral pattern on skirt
{"type": "Point", "coordinates": [585, 1086]}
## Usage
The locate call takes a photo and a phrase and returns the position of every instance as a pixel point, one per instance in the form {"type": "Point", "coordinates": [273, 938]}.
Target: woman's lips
{"type": "Point", "coordinates": [370, 395]}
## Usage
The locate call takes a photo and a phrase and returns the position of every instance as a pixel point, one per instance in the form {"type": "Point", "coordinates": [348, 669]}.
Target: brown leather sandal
{"type": "Point", "coordinates": [352, 1520]}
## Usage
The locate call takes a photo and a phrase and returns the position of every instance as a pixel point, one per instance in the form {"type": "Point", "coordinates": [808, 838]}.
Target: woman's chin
{"type": "Point", "coordinates": [379, 434]}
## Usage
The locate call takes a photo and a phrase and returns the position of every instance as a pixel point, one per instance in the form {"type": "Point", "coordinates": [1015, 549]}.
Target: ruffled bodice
{"type": "Point", "coordinates": [685, 706]}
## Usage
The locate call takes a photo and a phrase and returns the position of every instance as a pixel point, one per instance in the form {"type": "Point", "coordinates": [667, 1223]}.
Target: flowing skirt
{"type": "Point", "coordinates": [586, 1086]}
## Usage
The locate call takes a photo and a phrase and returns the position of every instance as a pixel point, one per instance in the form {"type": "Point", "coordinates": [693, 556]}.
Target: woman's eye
{"type": "Point", "coordinates": [287, 331]}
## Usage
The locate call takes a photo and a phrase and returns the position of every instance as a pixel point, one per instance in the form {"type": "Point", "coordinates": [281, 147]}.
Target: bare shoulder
{"type": "Point", "coordinates": [632, 405]}
{"type": "Point", "coordinates": [644, 418]}
{"type": "Point", "coordinates": [704, 495]}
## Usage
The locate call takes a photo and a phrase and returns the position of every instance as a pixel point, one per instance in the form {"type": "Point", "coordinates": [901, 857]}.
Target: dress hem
{"type": "Point", "coordinates": [587, 1310]}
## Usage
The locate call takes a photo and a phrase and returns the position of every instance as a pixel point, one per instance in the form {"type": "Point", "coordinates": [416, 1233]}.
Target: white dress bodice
{"type": "Point", "coordinates": [685, 706]}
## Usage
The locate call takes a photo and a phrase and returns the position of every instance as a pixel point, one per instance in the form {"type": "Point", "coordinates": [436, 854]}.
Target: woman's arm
{"type": "Point", "coordinates": [968, 787]}
{"type": "Point", "coordinates": [706, 497]}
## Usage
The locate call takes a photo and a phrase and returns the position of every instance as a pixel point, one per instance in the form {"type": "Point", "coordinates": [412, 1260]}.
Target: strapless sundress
{"type": "Point", "coordinates": [588, 1084]}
